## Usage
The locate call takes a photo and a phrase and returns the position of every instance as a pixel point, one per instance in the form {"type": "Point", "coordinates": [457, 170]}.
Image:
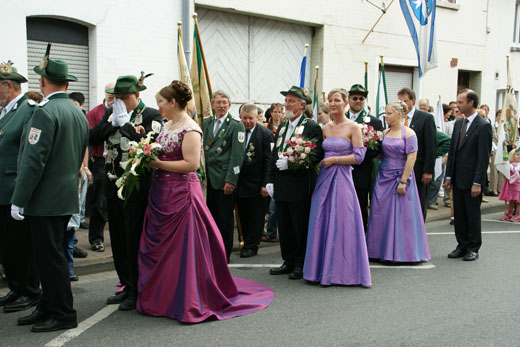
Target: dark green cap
{"type": "Point", "coordinates": [8, 72]}
{"type": "Point", "coordinates": [55, 70]}
{"type": "Point", "coordinates": [302, 93]}
{"type": "Point", "coordinates": [127, 85]}
{"type": "Point", "coordinates": [358, 89]}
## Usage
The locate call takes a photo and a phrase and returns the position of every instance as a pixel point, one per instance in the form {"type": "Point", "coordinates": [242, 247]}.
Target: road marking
{"type": "Point", "coordinates": [374, 266]}
{"type": "Point", "coordinates": [82, 327]}
{"type": "Point", "coordinates": [484, 232]}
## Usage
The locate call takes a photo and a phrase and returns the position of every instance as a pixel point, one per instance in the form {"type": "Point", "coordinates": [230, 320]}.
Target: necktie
{"type": "Point", "coordinates": [217, 126]}
{"type": "Point", "coordinates": [406, 120]}
{"type": "Point", "coordinates": [462, 132]}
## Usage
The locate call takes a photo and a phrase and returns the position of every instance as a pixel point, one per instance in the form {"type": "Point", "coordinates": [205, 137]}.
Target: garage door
{"type": "Point", "coordinates": [397, 77]}
{"type": "Point", "coordinates": [252, 58]}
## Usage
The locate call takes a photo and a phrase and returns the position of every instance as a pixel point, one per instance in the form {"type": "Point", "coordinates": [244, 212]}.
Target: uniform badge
{"type": "Point", "coordinates": [34, 136]}
{"type": "Point", "coordinates": [206, 148]}
{"type": "Point", "coordinates": [241, 136]}
{"type": "Point", "coordinates": [1, 133]}
{"type": "Point", "coordinates": [280, 133]}
{"type": "Point", "coordinates": [125, 144]}
{"type": "Point", "coordinates": [115, 138]}
{"type": "Point", "coordinates": [236, 170]}
{"type": "Point", "coordinates": [124, 157]}
{"type": "Point", "coordinates": [156, 126]}
{"type": "Point", "coordinates": [249, 160]}
{"type": "Point", "coordinates": [366, 119]}
{"type": "Point", "coordinates": [219, 150]}
{"type": "Point", "coordinates": [138, 119]}
{"type": "Point", "coordinates": [279, 142]}
{"type": "Point", "coordinates": [224, 143]}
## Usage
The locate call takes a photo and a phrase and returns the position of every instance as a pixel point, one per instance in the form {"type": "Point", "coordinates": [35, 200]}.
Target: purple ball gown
{"type": "Point", "coordinates": [336, 248]}
{"type": "Point", "coordinates": [183, 273]}
{"type": "Point", "coordinates": [396, 227]}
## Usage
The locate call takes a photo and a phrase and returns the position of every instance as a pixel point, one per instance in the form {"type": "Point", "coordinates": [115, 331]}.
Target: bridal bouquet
{"type": "Point", "coordinates": [139, 157]}
{"type": "Point", "coordinates": [371, 137]}
{"type": "Point", "coordinates": [299, 153]}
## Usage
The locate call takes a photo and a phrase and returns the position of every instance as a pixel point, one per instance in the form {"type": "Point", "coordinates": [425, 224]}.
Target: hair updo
{"type": "Point", "coordinates": [399, 106]}
{"type": "Point", "coordinates": [177, 90]}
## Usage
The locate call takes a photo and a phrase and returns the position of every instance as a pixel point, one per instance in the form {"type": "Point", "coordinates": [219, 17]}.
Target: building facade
{"type": "Point", "coordinates": [254, 49]}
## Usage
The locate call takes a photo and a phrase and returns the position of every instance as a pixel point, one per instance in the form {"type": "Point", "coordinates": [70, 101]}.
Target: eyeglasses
{"type": "Point", "coordinates": [357, 98]}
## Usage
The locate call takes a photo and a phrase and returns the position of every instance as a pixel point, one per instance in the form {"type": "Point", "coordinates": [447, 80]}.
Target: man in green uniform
{"type": "Point", "coordinates": [46, 191]}
{"type": "Point", "coordinates": [15, 236]}
{"type": "Point", "coordinates": [224, 148]}
{"type": "Point", "coordinates": [125, 218]}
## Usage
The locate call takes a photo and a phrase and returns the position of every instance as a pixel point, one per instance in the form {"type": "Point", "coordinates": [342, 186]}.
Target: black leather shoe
{"type": "Point", "coordinates": [79, 253]}
{"type": "Point", "coordinates": [457, 253]}
{"type": "Point", "coordinates": [282, 270]}
{"type": "Point", "coordinates": [8, 298]}
{"type": "Point", "coordinates": [117, 299]}
{"type": "Point", "coordinates": [246, 253]}
{"type": "Point", "coordinates": [22, 303]}
{"type": "Point", "coordinates": [52, 325]}
{"type": "Point", "coordinates": [128, 304]}
{"type": "Point", "coordinates": [35, 317]}
{"type": "Point", "coordinates": [470, 256]}
{"type": "Point", "coordinates": [296, 274]}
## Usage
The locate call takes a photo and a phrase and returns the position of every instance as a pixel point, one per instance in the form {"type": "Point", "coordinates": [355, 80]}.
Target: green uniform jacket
{"type": "Point", "coordinates": [11, 126]}
{"type": "Point", "coordinates": [50, 158]}
{"type": "Point", "coordinates": [443, 144]}
{"type": "Point", "coordinates": [224, 153]}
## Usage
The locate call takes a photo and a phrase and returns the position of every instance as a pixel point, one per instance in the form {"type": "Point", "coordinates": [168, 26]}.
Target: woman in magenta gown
{"type": "Point", "coordinates": [336, 248]}
{"type": "Point", "coordinates": [396, 230]}
{"type": "Point", "coordinates": [183, 272]}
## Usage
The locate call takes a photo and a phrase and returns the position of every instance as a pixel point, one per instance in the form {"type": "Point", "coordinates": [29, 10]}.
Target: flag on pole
{"type": "Point", "coordinates": [420, 19]}
{"type": "Point", "coordinates": [315, 100]}
{"type": "Point", "coordinates": [200, 79]}
{"type": "Point", "coordinates": [303, 66]}
{"type": "Point", "coordinates": [439, 122]}
{"type": "Point", "coordinates": [382, 98]}
{"type": "Point", "coordinates": [184, 72]}
{"type": "Point", "coordinates": [366, 86]}
{"type": "Point", "coordinates": [507, 127]}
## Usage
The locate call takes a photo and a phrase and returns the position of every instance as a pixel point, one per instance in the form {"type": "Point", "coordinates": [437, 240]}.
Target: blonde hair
{"type": "Point", "coordinates": [511, 154]}
{"type": "Point", "coordinates": [341, 91]}
{"type": "Point", "coordinates": [399, 106]}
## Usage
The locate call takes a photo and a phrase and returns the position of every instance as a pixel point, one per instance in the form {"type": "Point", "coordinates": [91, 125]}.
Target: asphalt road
{"type": "Point", "coordinates": [442, 303]}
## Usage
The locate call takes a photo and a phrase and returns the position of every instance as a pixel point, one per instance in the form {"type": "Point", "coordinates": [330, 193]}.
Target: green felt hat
{"type": "Point", "coordinates": [358, 89]}
{"type": "Point", "coordinates": [302, 93]}
{"type": "Point", "coordinates": [55, 70]}
{"type": "Point", "coordinates": [127, 85]}
{"type": "Point", "coordinates": [8, 72]}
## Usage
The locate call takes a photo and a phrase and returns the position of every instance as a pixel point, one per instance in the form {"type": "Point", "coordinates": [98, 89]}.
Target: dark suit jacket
{"type": "Point", "coordinates": [291, 185]}
{"type": "Point", "coordinates": [424, 126]}
{"type": "Point", "coordinates": [253, 175]}
{"type": "Point", "coordinates": [362, 173]}
{"type": "Point", "coordinates": [468, 163]}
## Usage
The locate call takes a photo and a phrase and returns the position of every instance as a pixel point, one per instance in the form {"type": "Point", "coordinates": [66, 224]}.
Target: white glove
{"type": "Point", "coordinates": [119, 115]}
{"type": "Point", "coordinates": [270, 189]}
{"type": "Point", "coordinates": [17, 212]}
{"type": "Point", "coordinates": [282, 164]}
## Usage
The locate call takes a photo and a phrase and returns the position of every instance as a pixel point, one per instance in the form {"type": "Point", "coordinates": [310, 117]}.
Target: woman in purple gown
{"type": "Point", "coordinates": [396, 227]}
{"type": "Point", "coordinates": [183, 271]}
{"type": "Point", "coordinates": [336, 248]}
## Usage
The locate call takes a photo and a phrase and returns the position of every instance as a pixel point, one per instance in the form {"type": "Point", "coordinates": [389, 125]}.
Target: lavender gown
{"type": "Point", "coordinates": [336, 248]}
{"type": "Point", "coordinates": [183, 273]}
{"type": "Point", "coordinates": [396, 227]}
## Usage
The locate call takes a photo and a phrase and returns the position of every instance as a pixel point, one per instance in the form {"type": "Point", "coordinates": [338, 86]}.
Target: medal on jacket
{"type": "Point", "coordinates": [1, 133]}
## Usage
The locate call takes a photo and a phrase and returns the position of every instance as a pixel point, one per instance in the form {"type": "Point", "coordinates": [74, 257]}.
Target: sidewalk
{"type": "Point", "coordinates": [102, 261]}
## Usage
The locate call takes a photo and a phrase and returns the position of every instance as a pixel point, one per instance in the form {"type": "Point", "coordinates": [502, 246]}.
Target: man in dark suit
{"type": "Point", "coordinates": [46, 191]}
{"type": "Point", "coordinates": [424, 126]}
{"type": "Point", "coordinates": [252, 180]}
{"type": "Point", "coordinates": [292, 189]}
{"type": "Point", "coordinates": [125, 225]}
{"type": "Point", "coordinates": [362, 173]}
{"type": "Point", "coordinates": [15, 236]}
{"type": "Point", "coordinates": [468, 160]}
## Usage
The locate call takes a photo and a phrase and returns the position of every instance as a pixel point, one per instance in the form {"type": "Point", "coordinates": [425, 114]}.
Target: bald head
{"type": "Point", "coordinates": [109, 98]}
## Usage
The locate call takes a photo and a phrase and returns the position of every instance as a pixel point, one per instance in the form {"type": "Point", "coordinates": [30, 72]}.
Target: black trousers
{"type": "Point", "coordinates": [47, 244]}
{"type": "Point", "coordinates": [293, 224]}
{"type": "Point", "coordinates": [362, 195]}
{"type": "Point", "coordinates": [221, 207]}
{"type": "Point", "coordinates": [422, 189]}
{"type": "Point", "coordinates": [125, 225]}
{"type": "Point", "coordinates": [252, 219]}
{"type": "Point", "coordinates": [17, 255]}
{"type": "Point", "coordinates": [97, 206]}
{"type": "Point", "coordinates": [468, 223]}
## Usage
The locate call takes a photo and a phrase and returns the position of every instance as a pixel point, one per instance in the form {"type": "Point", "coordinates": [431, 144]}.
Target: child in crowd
{"type": "Point", "coordinates": [511, 188]}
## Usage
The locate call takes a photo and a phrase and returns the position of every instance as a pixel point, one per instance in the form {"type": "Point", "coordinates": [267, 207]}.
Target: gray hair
{"type": "Point", "coordinates": [222, 94]}
{"type": "Point", "coordinates": [249, 108]}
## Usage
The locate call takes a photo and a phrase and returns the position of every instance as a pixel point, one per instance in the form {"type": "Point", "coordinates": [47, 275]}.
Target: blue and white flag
{"type": "Point", "coordinates": [303, 67]}
{"type": "Point", "coordinates": [420, 18]}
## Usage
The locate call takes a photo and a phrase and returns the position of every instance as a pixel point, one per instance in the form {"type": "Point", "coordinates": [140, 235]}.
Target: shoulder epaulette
{"type": "Point", "coordinates": [41, 104]}
{"type": "Point", "coordinates": [31, 102]}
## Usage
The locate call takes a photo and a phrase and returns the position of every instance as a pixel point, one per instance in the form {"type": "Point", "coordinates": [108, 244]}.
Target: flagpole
{"type": "Point", "coordinates": [202, 52]}
{"type": "Point", "coordinates": [366, 74]}
{"type": "Point", "coordinates": [323, 97]}
{"type": "Point", "coordinates": [373, 26]}
{"type": "Point", "coordinates": [316, 78]}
